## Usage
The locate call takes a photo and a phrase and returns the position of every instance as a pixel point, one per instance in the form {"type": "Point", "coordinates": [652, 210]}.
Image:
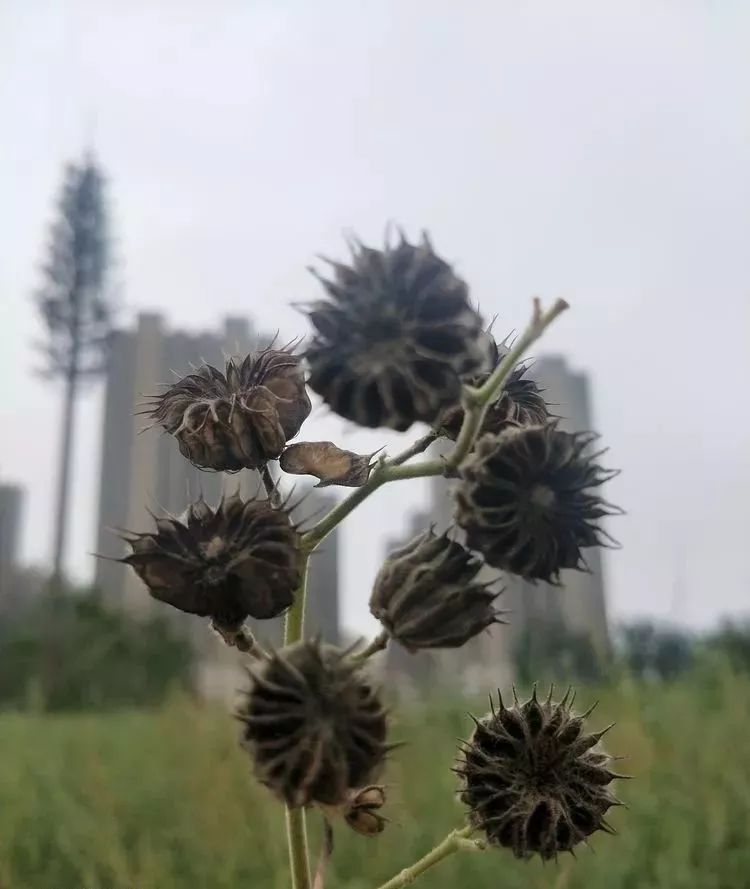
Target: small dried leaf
{"type": "Point", "coordinates": [327, 462]}
{"type": "Point", "coordinates": [360, 812]}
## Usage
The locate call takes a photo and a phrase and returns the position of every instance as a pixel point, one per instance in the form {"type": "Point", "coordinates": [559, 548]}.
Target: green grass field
{"type": "Point", "coordinates": [165, 800]}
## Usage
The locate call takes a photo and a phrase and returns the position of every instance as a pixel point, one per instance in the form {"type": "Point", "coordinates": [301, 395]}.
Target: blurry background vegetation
{"type": "Point", "coordinates": [110, 791]}
{"type": "Point", "coordinates": [70, 651]}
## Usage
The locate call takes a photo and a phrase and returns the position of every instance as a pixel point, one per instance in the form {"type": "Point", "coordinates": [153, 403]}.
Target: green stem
{"type": "Point", "coordinates": [478, 402]}
{"type": "Point", "coordinates": [456, 840]}
{"type": "Point", "coordinates": [296, 828]}
{"type": "Point", "coordinates": [296, 833]}
{"type": "Point", "coordinates": [419, 447]}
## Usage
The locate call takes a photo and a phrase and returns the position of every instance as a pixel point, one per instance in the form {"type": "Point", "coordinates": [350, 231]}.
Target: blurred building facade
{"type": "Point", "coordinates": [11, 518]}
{"type": "Point", "coordinates": [143, 472]}
{"type": "Point", "coordinates": [577, 607]}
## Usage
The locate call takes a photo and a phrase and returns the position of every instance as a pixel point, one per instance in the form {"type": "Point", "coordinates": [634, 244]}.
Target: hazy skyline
{"type": "Point", "coordinates": [593, 151]}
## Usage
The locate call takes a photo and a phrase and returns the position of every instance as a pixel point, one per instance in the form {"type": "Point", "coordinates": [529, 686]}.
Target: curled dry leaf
{"type": "Point", "coordinates": [327, 462]}
{"type": "Point", "coordinates": [361, 811]}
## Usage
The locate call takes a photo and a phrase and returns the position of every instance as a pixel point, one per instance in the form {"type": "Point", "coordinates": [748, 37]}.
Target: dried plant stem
{"type": "Point", "coordinates": [377, 644]}
{"type": "Point", "coordinates": [269, 483]}
{"type": "Point", "coordinates": [478, 402]}
{"type": "Point", "coordinates": [325, 855]}
{"type": "Point", "coordinates": [240, 638]}
{"type": "Point", "coordinates": [457, 840]}
{"type": "Point", "coordinates": [296, 829]}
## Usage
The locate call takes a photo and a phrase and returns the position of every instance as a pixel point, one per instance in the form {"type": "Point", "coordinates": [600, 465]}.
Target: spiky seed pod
{"type": "Point", "coordinates": [425, 598]}
{"type": "Point", "coordinates": [534, 782]}
{"type": "Point", "coordinates": [237, 561]}
{"type": "Point", "coordinates": [313, 725]}
{"type": "Point", "coordinates": [239, 419]}
{"type": "Point", "coordinates": [527, 500]}
{"type": "Point", "coordinates": [521, 402]}
{"type": "Point", "coordinates": [395, 336]}
{"type": "Point", "coordinates": [327, 462]}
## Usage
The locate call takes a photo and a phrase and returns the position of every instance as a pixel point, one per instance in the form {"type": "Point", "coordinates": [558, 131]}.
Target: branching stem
{"type": "Point", "coordinates": [456, 841]}
{"type": "Point", "coordinates": [419, 447]}
{"type": "Point", "coordinates": [477, 402]}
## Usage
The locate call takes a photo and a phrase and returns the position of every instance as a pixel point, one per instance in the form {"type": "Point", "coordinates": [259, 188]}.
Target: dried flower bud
{"type": "Point", "coordinates": [527, 500]}
{"type": "Point", "coordinates": [394, 337]}
{"type": "Point", "coordinates": [519, 403]}
{"type": "Point", "coordinates": [361, 810]}
{"type": "Point", "coordinates": [424, 595]}
{"type": "Point", "coordinates": [237, 561]}
{"type": "Point", "coordinates": [328, 463]}
{"type": "Point", "coordinates": [238, 420]}
{"type": "Point", "coordinates": [533, 781]}
{"type": "Point", "coordinates": [313, 725]}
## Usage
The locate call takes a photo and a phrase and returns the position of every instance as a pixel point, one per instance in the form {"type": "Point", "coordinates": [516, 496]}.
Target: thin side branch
{"type": "Point", "coordinates": [379, 643]}
{"type": "Point", "coordinates": [419, 447]}
{"type": "Point", "coordinates": [240, 638]}
{"type": "Point", "coordinates": [457, 840]}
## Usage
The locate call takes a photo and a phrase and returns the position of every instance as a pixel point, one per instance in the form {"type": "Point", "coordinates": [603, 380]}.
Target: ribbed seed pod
{"type": "Point", "coordinates": [313, 725]}
{"type": "Point", "coordinates": [425, 597]}
{"type": "Point", "coordinates": [527, 500]}
{"type": "Point", "coordinates": [534, 782]}
{"type": "Point", "coordinates": [237, 561]}
{"type": "Point", "coordinates": [395, 336]}
{"type": "Point", "coordinates": [520, 403]}
{"type": "Point", "coordinates": [239, 419]}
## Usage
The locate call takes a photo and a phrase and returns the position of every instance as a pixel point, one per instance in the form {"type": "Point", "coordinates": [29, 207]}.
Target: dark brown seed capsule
{"type": "Point", "coordinates": [534, 782]}
{"type": "Point", "coordinates": [237, 561]}
{"type": "Point", "coordinates": [314, 726]}
{"type": "Point", "coordinates": [425, 597]}
{"type": "Point", "coordinates": [394, 337]}
{"type": "Point", "coordinates": [528, 500]}
{"type": "Point", "coordinates": [239, 419]}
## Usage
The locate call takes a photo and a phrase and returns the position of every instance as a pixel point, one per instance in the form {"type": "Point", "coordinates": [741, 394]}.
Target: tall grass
{"type": "Point", "coordinates": [164, 800]}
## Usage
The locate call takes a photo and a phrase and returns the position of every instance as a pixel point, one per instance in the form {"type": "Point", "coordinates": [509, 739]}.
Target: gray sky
{"type": "Point", "coordinates": [597, 151]}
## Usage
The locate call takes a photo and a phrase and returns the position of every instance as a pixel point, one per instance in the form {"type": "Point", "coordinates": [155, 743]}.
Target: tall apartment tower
{"type": "Point", "coordinates": [143, 471]}
{"type": "Point", "coordinates": [579, 605]}
{"type": "Point", "coordinates": [11, 514]}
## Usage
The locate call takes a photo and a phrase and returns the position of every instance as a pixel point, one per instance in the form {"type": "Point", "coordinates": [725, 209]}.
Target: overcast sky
{"type": "Point", "coordinates": [597, 151]}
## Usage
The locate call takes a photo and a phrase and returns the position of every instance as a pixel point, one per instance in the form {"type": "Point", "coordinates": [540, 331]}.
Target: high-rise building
{"type": "Point", "coordinates": [578, 605]}
{"type": "Point", "coordinates": [144, 473]}
{"type": "Point", "coordinates": [142, 470]}
{"type": "Point", "coordinates": [11, 514]}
